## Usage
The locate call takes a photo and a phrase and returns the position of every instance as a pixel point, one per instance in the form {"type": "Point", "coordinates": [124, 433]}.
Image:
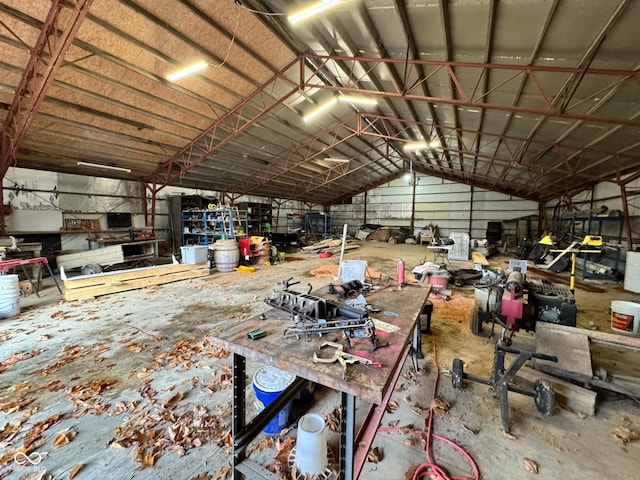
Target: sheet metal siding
{"type": "Point", "coordinates": [445, 204]}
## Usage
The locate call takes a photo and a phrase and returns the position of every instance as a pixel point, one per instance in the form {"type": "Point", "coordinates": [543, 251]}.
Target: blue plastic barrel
{"type": "Point", "coordinates": [268, 383]}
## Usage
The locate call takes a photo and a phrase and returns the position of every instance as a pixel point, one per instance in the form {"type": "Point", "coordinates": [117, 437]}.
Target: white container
{"type": "Point", "coordinates": [9, 296]}
{"type": "Point", "coordinates": [311, 446]}
{"type": "Point", "coordinates": [226, 255]}
{"type": "Point", "coordinates": [625, 317]}
{"type": "Point", "coordinates": [353, 270]}
{"type": "Point", "coordinates": [632, 272]}
{"type": "Point", "coordinates": [194, 254]}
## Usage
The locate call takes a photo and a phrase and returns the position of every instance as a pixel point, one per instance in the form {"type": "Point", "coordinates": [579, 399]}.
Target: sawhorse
{"type": "Point", "coordinates": [6, 264]}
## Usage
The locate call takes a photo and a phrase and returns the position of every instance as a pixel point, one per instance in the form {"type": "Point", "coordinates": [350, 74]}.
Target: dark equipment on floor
{"type": "Point", "coordinates": [542, 393]}
{"type": "Point", "coordinates": [515, 302]}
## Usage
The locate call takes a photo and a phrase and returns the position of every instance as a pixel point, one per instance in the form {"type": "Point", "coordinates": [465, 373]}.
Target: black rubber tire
{"type": "Point", "coordinates": [545, 398]}
{"type": "Point", "coordinates": [91, 269]}
{"type": "Point", "coordinates": [457, 374]}
{"type": "Point", "coordinates": [475, 323]}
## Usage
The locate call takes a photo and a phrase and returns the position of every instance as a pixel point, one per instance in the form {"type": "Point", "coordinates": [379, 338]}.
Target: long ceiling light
{"type": "Point", "coordinates": [415, 146]}
{"type": "Point", "coordinates": [319, 109]}
{"type": "Point", "coordinates": [172, 77]}
{"type": "Point", "coordinates": [337, 160]}
{"type": "Point", "coordinates": [358, 100]}
{"type": "Point", "coordinates": [105, 167]}
{"type": "Point", "coordinates": [311, 10]}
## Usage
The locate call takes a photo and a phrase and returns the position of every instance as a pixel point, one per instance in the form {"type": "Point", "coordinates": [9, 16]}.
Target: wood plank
{"type": "Point", "coordinates": [571, 397]}
{"type": "Point", "coordinates": [105, 289]}
{"type": "Point", "coordinates": [611, 338]}
{"type": "Point", "coordinates": [123, 275]}
{"type": "Point", "coordinates": [106, 255]}
{"type": "Point", "coordinates": [572, 350]}
{"type": "Point", "coordinates": [479, 258]}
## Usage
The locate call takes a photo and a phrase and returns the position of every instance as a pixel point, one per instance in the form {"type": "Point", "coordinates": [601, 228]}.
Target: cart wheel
{"type": "Point", "coordinates": [545, 398]}
{"type": "Point", "coordinates": [476, 322]}
{"type": "Point", "coordinates": [457, 373]}
{"type": "Point", "coordinates": [91, 269]}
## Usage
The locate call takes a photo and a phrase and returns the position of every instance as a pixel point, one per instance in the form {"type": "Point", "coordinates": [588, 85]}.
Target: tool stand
{"type": "Point", "coordinates": [542, 393]}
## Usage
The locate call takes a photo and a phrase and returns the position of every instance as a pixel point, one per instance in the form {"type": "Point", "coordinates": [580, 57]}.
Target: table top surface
{"type": "Point", "coordinates": [296, 355]}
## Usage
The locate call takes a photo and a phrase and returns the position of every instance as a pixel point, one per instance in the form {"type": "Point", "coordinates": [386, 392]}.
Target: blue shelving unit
{"type": "Point", "coordinates": [202, 227]}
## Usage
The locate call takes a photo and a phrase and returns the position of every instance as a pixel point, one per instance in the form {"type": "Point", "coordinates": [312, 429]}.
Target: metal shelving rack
{"type": "Point", "coordinates": [317, 225]}
{"type": "Point", "coordinates": [582, 225]}
{"type": "Point", "coordinates": [202, 227]}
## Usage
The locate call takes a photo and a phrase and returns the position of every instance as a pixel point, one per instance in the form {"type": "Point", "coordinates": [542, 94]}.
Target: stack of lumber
{"type": "Point", "coordinates": [87, 286]}
{"type": "Point", "coordinates": [329, 245]}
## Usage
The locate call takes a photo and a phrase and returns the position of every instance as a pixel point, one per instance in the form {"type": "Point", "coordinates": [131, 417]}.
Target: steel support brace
{"type": "Point", "coordinates": [239, 403]}
{"type": "Point", "coordinates": [347, 432]}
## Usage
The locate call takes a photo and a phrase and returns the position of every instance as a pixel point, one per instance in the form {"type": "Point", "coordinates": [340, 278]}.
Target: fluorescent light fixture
{"type": "Point", "coordinates": [336, 160]}
{"type": "Point", "coordinates": [319, 109]}
{"type": "Point", "coordinates": [187, 71]}
{"type": "Point", "coordinates": [415, 146]}
{"type": "Point", "coordinates": [311, 10]}
{"type": "Point", "coordinates": [105, 167]}
{"type": "Point", "coordinates": [359, 100]}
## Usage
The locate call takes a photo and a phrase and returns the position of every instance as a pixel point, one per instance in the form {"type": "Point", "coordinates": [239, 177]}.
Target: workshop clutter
{"type": "Point", "coordinates": [9, 296]}
{"type": "Point", "coordinates": [268, 383]}
{"type": "Point", "coordinates": [436, 275]}
{"type": "Point", "coordinates": [625, 317]}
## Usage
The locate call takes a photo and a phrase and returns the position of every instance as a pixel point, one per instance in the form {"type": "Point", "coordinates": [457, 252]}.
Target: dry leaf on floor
{"type": "Point", "coordinates": [625, 435]}
{"type": "Point", "coordinates": [530, 465]}
{"type": "Point", "coordinates": [439, 407]}
{"type": "Point", "coordinates": [222, 474]}
{"type": "Point", "coordinates": [333, 419]}
{"type": "Point", "coordinates": [508, 435]}
{"type": "Point", "coordinates": [374, 455]}
{"type": "Point", "coordinates": [63, 437]}
{"type": "Point", "coordinates": [393, 423]}
{"type": "Point", "coordinates": [175, 399]}
{"type": "Point", "coordinates": [74, 471]}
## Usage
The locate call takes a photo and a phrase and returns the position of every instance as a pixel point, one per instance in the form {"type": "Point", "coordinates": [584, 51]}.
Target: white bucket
{"type": "Point", "coordinates": [9, 296]}
{"type": "Point", "coordinates": [632, 272]}
{"type": "Point", "coordinates": [311, 445]}
{"type": "Point", "coordinates": [226, 255]}
{"type": "Point", "coordinates": [625, 317]}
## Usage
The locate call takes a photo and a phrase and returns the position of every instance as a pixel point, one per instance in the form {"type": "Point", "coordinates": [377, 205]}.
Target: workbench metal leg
{"type": "Point", "coordinates": [239, 404]}
{"type": "Point", "coordinates": [417, 342]}
{"type": "Point", "coordinates": [54, 278]}
{"type": "Point", "coordinates": [347, 435]}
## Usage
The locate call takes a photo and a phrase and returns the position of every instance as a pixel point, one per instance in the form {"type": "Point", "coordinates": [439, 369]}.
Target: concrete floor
{"type": "Point", "coordinates": [84, 382]}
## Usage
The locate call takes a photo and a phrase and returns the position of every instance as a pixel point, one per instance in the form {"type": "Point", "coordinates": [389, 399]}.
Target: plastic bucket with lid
{"type": "Point", "coordinates": [9, 296]}
{"type": "Point", "coordinates": [268, 383]}
{"type": "Point", "coordinates": [625, 317]}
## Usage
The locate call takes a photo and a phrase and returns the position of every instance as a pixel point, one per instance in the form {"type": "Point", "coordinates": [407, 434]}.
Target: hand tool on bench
{"type": "Point", "coordinates": [344, 358]}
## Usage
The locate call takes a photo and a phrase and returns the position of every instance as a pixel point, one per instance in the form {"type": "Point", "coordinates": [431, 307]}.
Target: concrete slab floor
{"type": "Point", "coordinates": [83, 383]}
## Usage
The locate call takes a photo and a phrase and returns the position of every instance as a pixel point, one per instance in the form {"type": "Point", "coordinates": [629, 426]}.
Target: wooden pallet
{"type": "Point", "coordinates": [87, 286]}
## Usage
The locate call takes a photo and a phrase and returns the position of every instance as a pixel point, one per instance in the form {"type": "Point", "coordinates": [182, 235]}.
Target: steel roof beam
{"type": "Point", "coordinates": [38, 76]}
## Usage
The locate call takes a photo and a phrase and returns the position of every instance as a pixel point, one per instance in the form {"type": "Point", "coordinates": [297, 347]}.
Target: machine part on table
{"type": "Point", "coordinates": [349, 289]}
{"type": "Point", "coordinates": [315, 315]}
{"type": "Point", "coordinates": [517, 303]}
{"type": "Point", "coordinates": [501, 376]}
{"type": "Point", "coordinates": [344, 358]}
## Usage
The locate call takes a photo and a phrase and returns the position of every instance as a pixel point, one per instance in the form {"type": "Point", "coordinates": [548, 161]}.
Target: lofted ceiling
{"type": "Point", "coordinates": [532, 98]}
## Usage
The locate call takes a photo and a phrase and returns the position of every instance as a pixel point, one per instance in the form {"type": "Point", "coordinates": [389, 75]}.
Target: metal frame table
{"type": "Point", "coordinates": [296, 356]}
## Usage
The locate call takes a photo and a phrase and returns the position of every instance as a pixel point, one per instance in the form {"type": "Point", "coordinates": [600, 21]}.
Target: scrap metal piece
{"type": "Point", "coordinates": [344, 358]}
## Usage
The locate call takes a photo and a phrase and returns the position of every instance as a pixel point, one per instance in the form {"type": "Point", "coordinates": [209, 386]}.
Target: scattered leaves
{"type": "Point", "coordinates": [530, 465]}
{"type": "Point", "coordinates": [625, 435]}
{"type": "Point", "coordinates": [333, 419]}
{"type": "Point", "coordinates": [439, 406]}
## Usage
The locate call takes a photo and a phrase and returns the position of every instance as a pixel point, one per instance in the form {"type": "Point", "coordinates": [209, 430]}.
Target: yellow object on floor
{"type": "Point", "coordinates": [244, 268]}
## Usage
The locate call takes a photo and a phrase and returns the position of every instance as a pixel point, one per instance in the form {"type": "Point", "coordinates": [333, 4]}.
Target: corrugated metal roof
{"type": "Point", "coordinates": [536, 99]}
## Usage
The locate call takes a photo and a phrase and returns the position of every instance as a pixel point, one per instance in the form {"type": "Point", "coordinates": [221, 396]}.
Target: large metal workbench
{"type": "Point", "coordinates": [376, 385]}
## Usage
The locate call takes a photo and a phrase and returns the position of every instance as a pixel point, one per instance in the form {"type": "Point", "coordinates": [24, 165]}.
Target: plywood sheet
{"type": "Point", "coordinates": [571, 349]}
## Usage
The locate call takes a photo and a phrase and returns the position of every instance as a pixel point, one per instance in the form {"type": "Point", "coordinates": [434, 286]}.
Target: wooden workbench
{"type": "Point", "coordinates": [401, 331]}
